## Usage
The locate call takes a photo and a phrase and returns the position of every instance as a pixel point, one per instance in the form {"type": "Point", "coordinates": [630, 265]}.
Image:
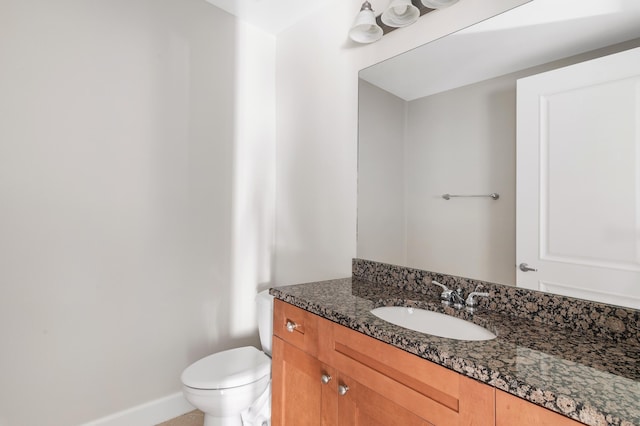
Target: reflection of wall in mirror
{"type": "Point", "coordinates": [464, 154]}
{"type": "Point", "coordinates": [470, 149]}
{"type": "Point", "coordinates": [381, 235]}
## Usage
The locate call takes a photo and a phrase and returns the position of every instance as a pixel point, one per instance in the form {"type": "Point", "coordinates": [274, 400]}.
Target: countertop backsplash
{"type": "Point", "coordinates": [605, 321]}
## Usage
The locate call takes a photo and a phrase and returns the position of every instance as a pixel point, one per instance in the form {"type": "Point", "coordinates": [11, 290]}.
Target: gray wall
{"type": "Point", "coordinates": [381, 180]}
{"type": "Point", "coordinates": [410, 153]}
{"type": "Point", "coordinates": [463, 142]}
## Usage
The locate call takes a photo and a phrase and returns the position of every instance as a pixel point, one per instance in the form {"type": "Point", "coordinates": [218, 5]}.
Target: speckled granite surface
{"type": "Point", "coordinates": [599, 319]}
{"type": "Point", "coordinates": [582, 375]}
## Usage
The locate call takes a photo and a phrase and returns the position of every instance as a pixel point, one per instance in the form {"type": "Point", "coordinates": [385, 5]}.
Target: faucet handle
{"type": "Point", "coordinates": [446, 292]}
{"type": "Point", "coordinates": [444, 287]}
{"type": "Point", "coordinates": [471, 302]}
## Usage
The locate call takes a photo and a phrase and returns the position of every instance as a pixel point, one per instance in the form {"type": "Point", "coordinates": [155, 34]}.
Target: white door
{"type": "Point", "coordinates": [578, 180]}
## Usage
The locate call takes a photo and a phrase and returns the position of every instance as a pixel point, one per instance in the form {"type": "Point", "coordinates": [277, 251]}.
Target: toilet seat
{"type": "Point", "coordinates": [228, 369]}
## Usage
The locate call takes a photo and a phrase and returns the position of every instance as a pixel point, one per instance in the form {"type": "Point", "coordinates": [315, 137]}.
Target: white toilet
{"type": "Point", "coordinates": [233, 388]}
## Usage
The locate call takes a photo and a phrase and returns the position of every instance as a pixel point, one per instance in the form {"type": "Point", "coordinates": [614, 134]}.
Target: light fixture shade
{"type": "Point", "coordinates": [400, 13]}
{"type": "Point", "coordinates": [365, 29]}
{"type": "Point", "coordinates": [438, 4]}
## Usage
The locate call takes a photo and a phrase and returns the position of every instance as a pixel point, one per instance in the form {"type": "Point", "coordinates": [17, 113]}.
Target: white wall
{"type": "Point", "coordinates": [317, 101]}
{"type": "Point", "coordinates": [126, 173]}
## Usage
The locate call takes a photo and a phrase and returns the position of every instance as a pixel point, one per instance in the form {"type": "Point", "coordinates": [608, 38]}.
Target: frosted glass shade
{"type": "Point", "coordinates": [365, 29]}
{"type": "Point", "coordinates": [400, 13]}
{"type": "Point", "coordinates": [438, 4]}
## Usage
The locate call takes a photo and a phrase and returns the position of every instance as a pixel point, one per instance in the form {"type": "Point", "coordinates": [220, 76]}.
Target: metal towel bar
{"type": "Point", "coordinates": [493, 196]}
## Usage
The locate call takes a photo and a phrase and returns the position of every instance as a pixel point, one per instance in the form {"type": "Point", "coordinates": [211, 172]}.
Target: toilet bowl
{"type": "Point", "coordinates": [233, 385]}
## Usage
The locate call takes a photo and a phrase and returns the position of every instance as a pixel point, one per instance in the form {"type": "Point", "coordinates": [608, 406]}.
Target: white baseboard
{"type": "Point", "coordinates": [147, 414]}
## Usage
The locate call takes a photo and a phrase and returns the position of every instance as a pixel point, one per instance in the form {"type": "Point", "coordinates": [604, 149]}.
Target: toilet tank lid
{"type": "Point", "coordinates": [227, 369]}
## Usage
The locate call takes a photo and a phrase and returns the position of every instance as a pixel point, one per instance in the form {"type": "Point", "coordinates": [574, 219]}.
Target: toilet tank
{"type": "Point", "coordinates": [264, 303]}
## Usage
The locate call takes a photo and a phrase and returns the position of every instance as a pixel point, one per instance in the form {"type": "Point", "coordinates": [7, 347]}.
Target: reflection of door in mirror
{"type": "Point", "coordinates": [578, 180]}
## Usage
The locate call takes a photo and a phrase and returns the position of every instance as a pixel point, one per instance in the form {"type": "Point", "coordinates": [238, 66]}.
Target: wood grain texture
{"type": "Point", "coordinates": [296, 386]}
{"type": "Point", "coordinates": [305, 334]}
{"type": "Point", "coordinates": [477, 403]}
{"type": "Point", "coordinates": [511, 410]}
{"type": "Point", "coordinates": [361, 406]}
{"type": "Point", "coordinates": [387, 386]}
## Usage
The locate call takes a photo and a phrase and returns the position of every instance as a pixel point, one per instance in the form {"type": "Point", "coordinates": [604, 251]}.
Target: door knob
{"type": "Point", "coordinates": [343, 389]}
{"type": "Point", "coordinates": [325, 378]}
{"type": "Point", "coordinates": [526, 268]}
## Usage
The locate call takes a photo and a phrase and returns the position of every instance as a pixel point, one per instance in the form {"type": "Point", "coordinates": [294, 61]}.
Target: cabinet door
{"type": "Point", "coordinates": [433, 393]}
{"type": "Point", "coordinates": [358, 405]}
{"type": "Point", "coordinates": [511, 410]}
{"type": "Point", "coordinates": [300, 397]}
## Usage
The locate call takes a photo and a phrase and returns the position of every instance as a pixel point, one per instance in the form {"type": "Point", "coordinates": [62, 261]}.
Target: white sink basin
{"type": "Point", "coordinates": [434, 323]}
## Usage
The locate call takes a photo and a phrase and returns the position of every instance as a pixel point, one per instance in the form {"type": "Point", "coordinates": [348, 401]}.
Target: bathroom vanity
{"type": "Point", "coordinates": [335, 363]}
{"type": "Point", "coordinates": [326, 371]}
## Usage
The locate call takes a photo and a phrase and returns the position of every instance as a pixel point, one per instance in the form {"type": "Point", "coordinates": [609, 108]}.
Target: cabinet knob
{"type": "Point", "coordinates": [343, 389]}
{"type": "Point", "coordinates": [291, 326]}
{"type": "Point", "coordinates": [325, 378]}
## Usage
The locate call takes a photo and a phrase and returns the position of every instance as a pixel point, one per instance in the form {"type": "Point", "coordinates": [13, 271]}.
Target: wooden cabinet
{"type": "Point", "coordinates": [328, 375]}
{"type": "Point", "coordinates": [366, 382]}
{"type": "Point", "coordinates": [511, 410]}
{"type": "Point", "coordinates": [299, 396]}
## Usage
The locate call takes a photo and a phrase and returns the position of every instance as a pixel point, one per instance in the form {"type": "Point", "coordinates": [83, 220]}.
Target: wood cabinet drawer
{"type": "Point", "coordinates": [434, 393]}
{"type": "Point", "coordinates": [296, 326]}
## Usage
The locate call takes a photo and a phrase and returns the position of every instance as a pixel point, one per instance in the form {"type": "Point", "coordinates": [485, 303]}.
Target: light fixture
{"type": "Point", "coordinates": [438, 4]}
{"type": "Point", "coordinates": [365, 29]}
{"type": "Point", "coordinates": [400, 13]}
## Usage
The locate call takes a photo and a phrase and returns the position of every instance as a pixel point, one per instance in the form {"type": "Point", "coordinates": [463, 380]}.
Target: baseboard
{"type": "Point", "coordinates": [147, 414]}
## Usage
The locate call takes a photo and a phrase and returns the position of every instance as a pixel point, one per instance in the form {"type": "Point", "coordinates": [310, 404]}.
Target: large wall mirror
{"type": "Point", "coordinates": [444, 119]}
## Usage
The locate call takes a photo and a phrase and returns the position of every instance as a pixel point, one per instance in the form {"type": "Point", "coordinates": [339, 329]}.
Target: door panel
{"type": "Point", "coordinates": [299, 396]}
{"type": "Point", "coordinates": [578, 185]}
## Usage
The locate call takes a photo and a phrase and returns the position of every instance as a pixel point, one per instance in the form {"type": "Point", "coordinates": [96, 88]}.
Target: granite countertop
{"type": "Point", "coordinates": [590, 379]}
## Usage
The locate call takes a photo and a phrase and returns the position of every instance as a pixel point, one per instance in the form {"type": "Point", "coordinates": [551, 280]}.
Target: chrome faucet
{"type": "Point", "coordinates": [455, 298]}
{"type": "Point", "coordinates": [450, 297]}
{"type": "Point", "coordinates": [445, 296]}
{"type": "Point", "coordinates": [473, 303]}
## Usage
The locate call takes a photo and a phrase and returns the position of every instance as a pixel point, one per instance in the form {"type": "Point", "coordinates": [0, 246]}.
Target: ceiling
{"type": "Point", "coordinates": [538, 32]}
{"type": "Point", "coordinates": [271, 16]}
